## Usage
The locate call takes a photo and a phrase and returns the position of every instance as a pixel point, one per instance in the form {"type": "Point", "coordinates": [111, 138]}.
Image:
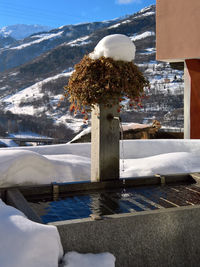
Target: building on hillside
{"type": "Point", "coordinates": [177, 40]}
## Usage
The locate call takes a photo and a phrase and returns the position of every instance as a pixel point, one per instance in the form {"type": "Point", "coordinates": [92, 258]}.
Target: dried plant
{"type": "Point", "coordinates": [104, 81]}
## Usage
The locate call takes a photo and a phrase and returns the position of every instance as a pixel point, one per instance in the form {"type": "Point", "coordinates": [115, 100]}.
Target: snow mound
{"type": "Point", "coordinates": [168, 163]}
{"type": "Point", "coordinates": [25, 243]}
{"type": "Point", "coordinates": [74, 259]}
{"type": "Point", "coordinates": [23, 167]}
{"type": "Point", "coordinates": [115, 46]}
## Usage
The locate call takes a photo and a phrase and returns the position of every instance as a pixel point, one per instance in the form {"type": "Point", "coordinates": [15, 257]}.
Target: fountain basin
{"type": "Point", "coordinates": [160, 236]}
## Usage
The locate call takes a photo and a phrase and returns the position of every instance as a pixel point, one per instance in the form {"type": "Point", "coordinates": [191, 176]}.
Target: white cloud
{"type": "Point", "coordinates": [122, 2]}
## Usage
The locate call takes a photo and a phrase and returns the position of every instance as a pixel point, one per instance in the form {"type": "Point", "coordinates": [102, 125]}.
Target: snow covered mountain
{"type": "Point", "coordinates": [20, 31]}
{"type": "Point", "coordinates": [7, 41]}
{"type": "Point", "coordinates": [37, 44]}
{"type": "Point", "coordinates": [30, 92]}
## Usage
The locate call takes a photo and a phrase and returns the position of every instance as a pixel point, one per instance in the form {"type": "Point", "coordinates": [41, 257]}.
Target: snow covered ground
{"type": "Point", "coordinates": [13, 101]}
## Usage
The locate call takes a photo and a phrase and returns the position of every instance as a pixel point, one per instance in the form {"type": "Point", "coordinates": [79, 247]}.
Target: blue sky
{"type": "Point", "coordinates": [62, 12]}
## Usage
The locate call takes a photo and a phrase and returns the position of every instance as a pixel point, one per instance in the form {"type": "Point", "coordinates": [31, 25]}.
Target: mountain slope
{"type": "Point", "coordinates": [34, 89]}
{"type": "Point", "coordinates": [37, 44]}
{"type": "Point", "coordinates": [6, 41]}
{"type": "Point", "coordinates": [20, 31]}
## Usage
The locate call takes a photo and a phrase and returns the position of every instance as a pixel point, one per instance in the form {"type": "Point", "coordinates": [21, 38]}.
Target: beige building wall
{"type": "Point", "coordinates": [177, 29]}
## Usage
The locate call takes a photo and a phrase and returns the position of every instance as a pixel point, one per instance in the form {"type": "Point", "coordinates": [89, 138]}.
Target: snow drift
{"type": "Point", "coordinates": [23, 167]}
{"type": "Point", "coordinates": [71, 162]}
{"type": "Point", "coordinates": [74, 259]}
{"type": "Point", "coordinates": [26, 243]}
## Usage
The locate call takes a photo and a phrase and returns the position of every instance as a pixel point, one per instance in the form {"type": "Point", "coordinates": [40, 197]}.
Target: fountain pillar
{"type": "Point", "coordinates": [105, 143]}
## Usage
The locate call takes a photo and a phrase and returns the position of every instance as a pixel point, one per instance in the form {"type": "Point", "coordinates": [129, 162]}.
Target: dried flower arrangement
{"type": "Point", "coordinates": [104, 81]}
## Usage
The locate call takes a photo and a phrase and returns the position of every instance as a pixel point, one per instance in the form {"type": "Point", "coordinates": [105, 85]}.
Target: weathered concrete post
{"type": "Point", "coordinates": [105, 143]}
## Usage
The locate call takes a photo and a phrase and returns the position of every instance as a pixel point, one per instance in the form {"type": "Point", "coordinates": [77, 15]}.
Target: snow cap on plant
{"type": "Point", "coordinates": [115, 46]}
{"type": "Point", "coordinates": [106, 76]}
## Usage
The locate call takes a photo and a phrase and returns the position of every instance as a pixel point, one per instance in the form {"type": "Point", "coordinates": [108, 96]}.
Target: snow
{"type": "Point", "coordinates": [152, 49]}
{"type": "Point", "coordinates": [79, 42]}
{"type": "Point", "coordinates": [168, 163]}
{"type": "Point", "coordinates": [34, 90]}
{"type": "Point", "coordinates": [69, 120]}
{"type": "Point", "coordinates": [71, 162]}
{"type": "Point", "coordinates": [8, 142]}
{"type": "Point", "coordinates": [145, 9]}
{"type": "Point", "coordinates": [14, 73]}
{"type": "Point", "coordinates": [118, 24]}
{"type": "Point", "coordinates": [148, 51]}
{"type": "Point", "coordinates": [82, 133]}
{"type": "Point", "coordinates": [20, 31]}
{"type": "Point", "coordinates": [24, 167]}
{"type": "Point", "coordinates": [142, 36]}
{"type": "Point", "coordinates": [115, 46]}
{"type": "Point", "coordinates": [3, 88]}
{"type": "Point", "coordinates": [28, 134]}
{"type": "Point", "coordinates": [74, 259]}
{"type": "Point", "coordinates": [42, 37]}
{"type": "Point", "coordinates": [30, 93]}
{"type": "Point", "coordinates": [150, 13]}
{"type": "Point", "coordinates": [25, 243]}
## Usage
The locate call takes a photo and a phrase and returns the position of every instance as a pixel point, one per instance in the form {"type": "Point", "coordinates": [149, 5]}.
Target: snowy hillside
{"type": "Point", "coordinates": [23, 103]}
{"type": "Point", "coordinates": [20, 31]}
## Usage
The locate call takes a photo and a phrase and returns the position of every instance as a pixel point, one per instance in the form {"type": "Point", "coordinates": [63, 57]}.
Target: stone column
{"type": "Point", "coordinates": [105, 144]}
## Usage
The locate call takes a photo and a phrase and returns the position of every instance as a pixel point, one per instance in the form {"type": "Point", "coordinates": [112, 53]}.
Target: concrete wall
{"type": "Point", "coordinates": [168, 237]}
{"type": "Point", "coordinates": [177, 29]}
